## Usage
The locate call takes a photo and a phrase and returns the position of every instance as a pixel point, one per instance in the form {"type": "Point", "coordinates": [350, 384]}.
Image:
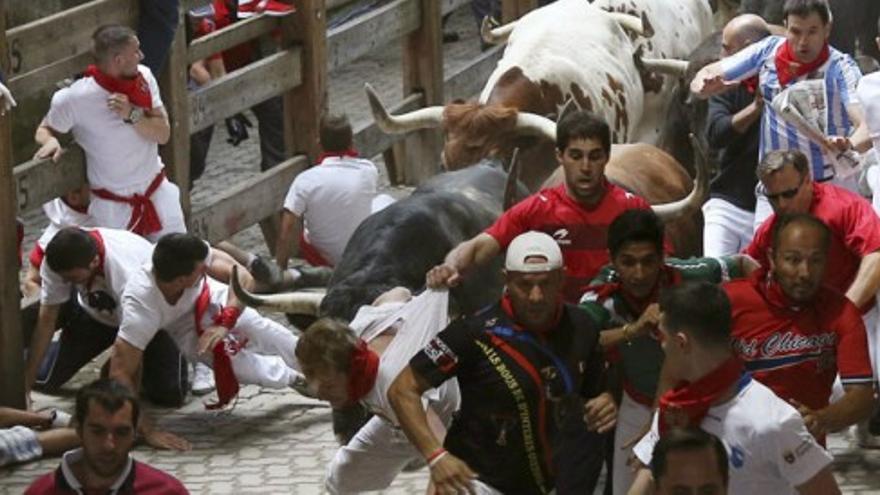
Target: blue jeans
{"type": "Point", "coordinates": [158, 22]}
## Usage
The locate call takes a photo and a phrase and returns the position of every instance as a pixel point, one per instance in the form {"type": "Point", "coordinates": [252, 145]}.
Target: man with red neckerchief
{"type": "Point", "coordinates": [116, 115]}
{"type": "Point", "coordinates": [529, 369]}
{"type": "Point", "coordinates": [576, 213]}
{"type": "Point", "coordinates": [795, 335]}
{"type": "Point", "coordinates": [356, 364]}
{"type": "Point", "coordinates": [803, 60]}
{"type": "Point", "coordinates": [768, 445]}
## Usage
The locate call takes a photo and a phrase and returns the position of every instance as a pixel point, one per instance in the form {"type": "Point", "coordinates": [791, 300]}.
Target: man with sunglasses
{"type": "Point", "coordinates": [854, 251]}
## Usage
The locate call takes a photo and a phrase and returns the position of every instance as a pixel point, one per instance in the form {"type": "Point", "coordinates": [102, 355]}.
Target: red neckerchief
{"type": "Point", "coordinates": [144, 218]}
{"type": "Point", "coordinates": [751, 84]}
{"type": "Point", "coordinates": [507, 307]}
{"type": "Point", "coordinates": [363, 367]}
{"type": "Point", "coordinates": [99, 243]}
{"type": "Point", "coordinates": [687, 403]}
{"type": "Point", "coordinates": [249, 8]}
{"type": "Point", "coordinates": [787, 68]}
{"type": "Point", "coordinates": [351, 152]}
{"type": "Point", "coordinates": [224, 376]}
{"type": "Point", "coordinates": [136, 89]}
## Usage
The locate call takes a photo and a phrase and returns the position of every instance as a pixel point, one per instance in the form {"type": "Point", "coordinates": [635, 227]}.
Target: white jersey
{"type": "Point", "coordinates": [415, 322]}
{"type": "Point", "coordinates": [869, 96]}
{"type": "Point", "coordinates": [61, 215]}
{"type": "Point", "coordinates": [333, 198]}
{"type": "Point", "coordinates": [100, 298]}
{"type": "Point", "coordinates": [145, 310]}
{"type": "Point", "coordinates": [117, 156]}
{"type": "Point", "coordinates": [768, 447]}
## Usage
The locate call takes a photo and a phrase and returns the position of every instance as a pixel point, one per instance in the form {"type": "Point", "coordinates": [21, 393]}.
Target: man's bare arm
{"type": "Point", "coordinates": [154, 126]}
{"type": "Point", "coordinates": [643, 484]}
{"type": "Point", "coordinates": [867, 281]}
{"type": "Point", "coordinates": [710, 81]}
{"type": "Point", "coordinates": [46, 319]}
{"type": "Point", "coordinates": [468, 254]}
{"type": "Point", "coordinates": [50, 147]}
{"type": "Point", "coordinates": [821, 484]}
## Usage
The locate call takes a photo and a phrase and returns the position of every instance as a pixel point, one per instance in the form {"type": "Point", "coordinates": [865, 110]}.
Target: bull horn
{"type": "Point", "coordinates": [510, 188]}
{"type": "Point", "coordinates": [669, 66]}
{"type": "Point", "coordinates": [672, 211]}
{"type": "Point", "coordinates": [569, 106]}
{"type": "Point", "coordinates": [495, 35]}
{"type": "Point", "coordinates": [530, 123]}
{"type": "Point", "coordinates": [633, 24]}
{"type": "Point", "coordinates": [303, 303]}
{"type": "Point", "coordinates": [423, 118]}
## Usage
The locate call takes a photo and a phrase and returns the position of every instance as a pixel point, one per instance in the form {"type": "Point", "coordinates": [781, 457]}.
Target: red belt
{"type": "Point", "coordinates": [224, 376]}
{"type": "Point", "coordinates": [144, 218]}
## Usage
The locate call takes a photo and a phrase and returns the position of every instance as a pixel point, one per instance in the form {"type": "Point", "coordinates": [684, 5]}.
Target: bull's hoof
{"type": "Point", "coordinates": [312, 276]}
{"type": "Point", "coordinates": [266, 272]}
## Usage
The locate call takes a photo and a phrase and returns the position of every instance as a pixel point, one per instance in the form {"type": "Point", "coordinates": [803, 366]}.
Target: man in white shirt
{"type": "Point", "coordinates": [768, 447]}
{"type": "Point", "coordinates": [868, 93]}
{"type": "Point", "coordinates": [95, 264]}
{"type": "Point", "coordinates": [180, 292]}
{"type": "Point", "coordinates": [116, 115]}
{"type": "Point", "coordinates": [326, 203]}
{"type": "Point", "coordinates": [387, 334]}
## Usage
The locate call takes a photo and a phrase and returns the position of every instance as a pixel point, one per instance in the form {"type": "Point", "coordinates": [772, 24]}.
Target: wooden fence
{"type": "Point", "coordinates": [34, 56]}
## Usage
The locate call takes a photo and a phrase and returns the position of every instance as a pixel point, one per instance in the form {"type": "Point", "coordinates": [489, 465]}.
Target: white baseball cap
{"type": "Point", "coordinates": [530, 244]}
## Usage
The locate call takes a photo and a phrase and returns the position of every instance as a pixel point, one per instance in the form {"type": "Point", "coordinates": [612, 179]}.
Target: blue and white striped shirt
{"type": "Point", "coordinates": [841, 75]}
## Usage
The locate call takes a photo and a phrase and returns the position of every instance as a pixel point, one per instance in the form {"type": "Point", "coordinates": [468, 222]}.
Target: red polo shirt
{"type": "Point", "coordinates": [581, 232]}
{"type": "Point", "coordinates": [797, 350]}
{"type": "Point", "coordinates": [855, 233]}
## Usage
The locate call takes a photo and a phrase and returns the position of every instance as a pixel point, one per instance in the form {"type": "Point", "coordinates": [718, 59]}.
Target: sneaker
{"type": "Point", "coordinates": [265, 272]}
{"type": "Point", "coordinates": [864, 437]}
{"type": "Point", "coordinates": [203, 379]}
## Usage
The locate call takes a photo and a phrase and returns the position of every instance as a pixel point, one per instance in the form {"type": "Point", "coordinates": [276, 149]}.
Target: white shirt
{"type": "Point", "coordinates": [123, 252]}
{"type": "Point", "coordinates": [415, 323]}
{"type": "Point", "coordinates": [768, 447]}
{"type": "Point", "coordinates": [61, 215]}
{"type": "Point", "coordinates": [869, 96]}
{"type": "Point", "coordinates": [145, 310]}
{"type": "Point", "coordinates": [116, 155]}
{"type": "Point", "coordinates": [333, 198]}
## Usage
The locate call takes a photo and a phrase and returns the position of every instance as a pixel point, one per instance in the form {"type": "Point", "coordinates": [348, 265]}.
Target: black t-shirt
{"type": "Point", "coordinates": [736, 179]}
{"type": "Point", "coordinates": [516, 388]}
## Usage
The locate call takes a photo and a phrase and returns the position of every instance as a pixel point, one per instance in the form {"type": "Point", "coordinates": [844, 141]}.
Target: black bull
{"type": "Point", "coordinates": [399, 244]}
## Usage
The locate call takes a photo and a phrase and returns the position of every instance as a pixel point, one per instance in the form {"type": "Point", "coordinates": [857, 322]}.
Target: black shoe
{"type": "Point", "coordinates": [266, 272]}
{"type": "Point", "coordinates": [874, 424]}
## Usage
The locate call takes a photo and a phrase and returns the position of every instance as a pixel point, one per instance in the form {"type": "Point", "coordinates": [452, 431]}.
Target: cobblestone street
{"type": "Point", "coordinates": [278, 441]}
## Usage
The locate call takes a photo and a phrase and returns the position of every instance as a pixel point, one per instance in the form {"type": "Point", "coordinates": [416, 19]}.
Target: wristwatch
{"type": "Point", "coordinates": [134, 116]}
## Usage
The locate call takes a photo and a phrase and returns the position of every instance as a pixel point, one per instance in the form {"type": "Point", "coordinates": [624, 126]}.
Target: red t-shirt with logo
{"type": "Point", "coordinates": [797, 351]}
{"type": "Point", "coordinates": [580, 231]}
{"type": "Point", "coordinates": [855, 233]}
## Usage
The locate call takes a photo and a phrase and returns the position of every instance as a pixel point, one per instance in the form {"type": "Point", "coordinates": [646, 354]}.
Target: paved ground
{"type": "Point", "coordinates": [280, 442]}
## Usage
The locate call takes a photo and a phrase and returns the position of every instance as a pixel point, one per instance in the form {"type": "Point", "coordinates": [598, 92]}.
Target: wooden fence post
{"type": "Point", "coordinates": [422, 67]}
{"type": "Point", "coordinates": [175, 95]}
{"type": "Point", "coordinates": [304, 104]}
{"type": "Point", "coordinates": [11, 355]}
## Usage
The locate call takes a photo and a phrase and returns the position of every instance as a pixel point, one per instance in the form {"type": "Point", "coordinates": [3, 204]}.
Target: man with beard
{"type": "Point", "coordinates": [106, 420]}
{"type": "Point", "coordinates": [795, 335]}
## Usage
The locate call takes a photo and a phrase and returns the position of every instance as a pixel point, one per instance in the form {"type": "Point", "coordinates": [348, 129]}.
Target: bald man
{"type": "Point", "coordinates": [732, 129]}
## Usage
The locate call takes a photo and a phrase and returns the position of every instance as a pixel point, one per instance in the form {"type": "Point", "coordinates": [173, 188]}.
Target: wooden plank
{"type": "Point", "coordinates": [243, 88]}
{"type": "Point", "coordinates": [422, 67]}
{"type": "Point", "coordinates": [369, 140]}
{"type": "Point", "coordinates": [470, 79]}
{"type": "Point", "coordinates": [38, 181]}
{"type": "Point", "coordinates": [64, 34]}
{"type": "Point", "coordinates": [175, 95]}
{"type": "Point", "coordinates": [46, 77]}
{"type": "Point", "coordinates": [247, 203]}
{"type": "Point", "coordinates": [371, 31]}
{"type": "Point", "coordinates": [11, 355]}
{"type": "Point", "coordinates": [232, 35]}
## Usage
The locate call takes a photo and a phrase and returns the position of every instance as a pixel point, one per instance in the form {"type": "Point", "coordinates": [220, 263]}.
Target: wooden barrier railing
{"type": "Point", "coordinates": [34, 58]}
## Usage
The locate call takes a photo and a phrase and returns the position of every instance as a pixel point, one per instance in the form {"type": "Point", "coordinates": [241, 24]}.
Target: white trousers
{"type": "Point", "coordinates": [268, 358]}
{"type": "Point", "coordinates": [728, 228]}
{"type": "Point", "coordinates": [116, 215]}
{"type": "Point", "coordinates": [872, 320]}
{"type": "Point", "coordinates": [631, 420]}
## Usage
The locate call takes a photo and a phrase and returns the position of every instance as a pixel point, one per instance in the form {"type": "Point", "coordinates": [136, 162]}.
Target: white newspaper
{"type": "Point", "coordinates": [803, 105]}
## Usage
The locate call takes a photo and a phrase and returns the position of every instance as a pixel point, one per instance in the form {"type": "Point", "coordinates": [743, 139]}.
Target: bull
{"type": "Point", "coordinates": [399, 244]}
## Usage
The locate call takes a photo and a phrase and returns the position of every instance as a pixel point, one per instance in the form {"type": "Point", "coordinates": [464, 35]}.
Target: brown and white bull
{"type": "Point", "coordinates": [568, 49]}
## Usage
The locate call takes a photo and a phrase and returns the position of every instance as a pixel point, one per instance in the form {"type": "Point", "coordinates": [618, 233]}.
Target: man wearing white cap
{"type": "Point", "coordinates": [524, 366]}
